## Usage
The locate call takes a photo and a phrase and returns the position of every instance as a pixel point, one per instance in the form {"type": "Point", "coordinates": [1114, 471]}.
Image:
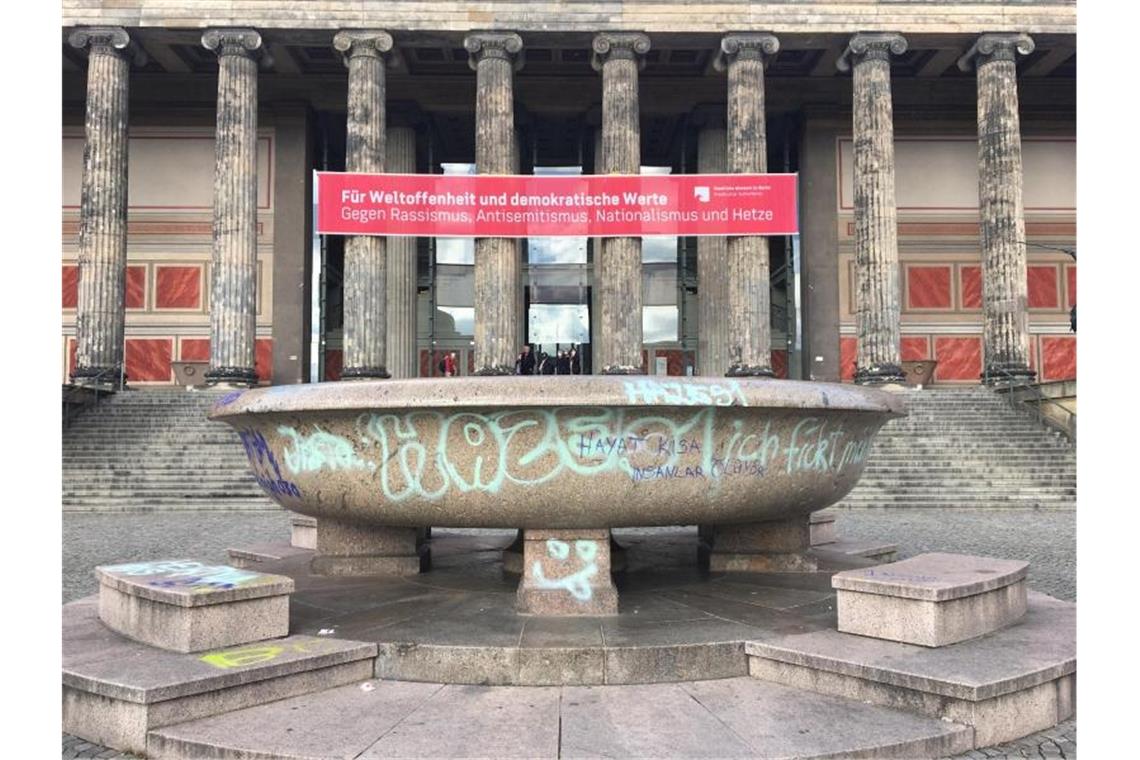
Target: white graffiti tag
{"type": "Point", "coordinates": [578, 584]}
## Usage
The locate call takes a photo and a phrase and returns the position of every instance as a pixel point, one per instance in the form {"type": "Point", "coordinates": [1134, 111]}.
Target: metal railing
{"type": "Point", "coordinates": [1017, 388]}
{"type": "Point", "coordinates": [76, 398]}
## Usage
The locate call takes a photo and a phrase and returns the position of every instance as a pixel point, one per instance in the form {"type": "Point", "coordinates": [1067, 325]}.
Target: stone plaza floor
{"type": "Point", "coordinates": [1047, 540]}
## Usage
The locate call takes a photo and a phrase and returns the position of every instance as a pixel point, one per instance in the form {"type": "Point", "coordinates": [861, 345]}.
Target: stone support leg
{"type": "Point", "coordinates": [346, 549]}
{"type": "Point", "coordinates": [100, 313]}
{"type": "Point", "coordinates": [567, 572]}
{"type": "Point", "coordinates": [877, 354]}
{"type": "Point", "coordinates": [776, 546]}
{"type": "Point", "coordinates": [749, 298]}
{"type": "Point", "coordinates": [1005, 295]}
{"type": "Point", "coordinates": [233, 264]}
{"type": "Point", "coordinates": [617, 268]}
{"type": "Point", "coordinates": [365, 263]}
{"type": "Point", "coordinates": [402, 359]}
{"type": "Point", "coordinates": [495, 56]}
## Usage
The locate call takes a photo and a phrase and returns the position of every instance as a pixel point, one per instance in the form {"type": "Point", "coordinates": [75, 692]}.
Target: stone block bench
{"type": "Point", "coordinates": [932, 599]}
{"type": "Point", "coordinates": [187, 606]}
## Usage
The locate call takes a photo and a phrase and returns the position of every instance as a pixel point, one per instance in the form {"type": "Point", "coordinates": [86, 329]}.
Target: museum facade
{"type": "Point", "coordinates": [934, 143]}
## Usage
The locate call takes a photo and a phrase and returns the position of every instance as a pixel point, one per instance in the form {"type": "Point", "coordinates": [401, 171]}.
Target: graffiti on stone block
{"type": "Point", "coordinates": [264, 465]}
{"type": "Point", "coordinates": [256, 654]}
{"type": "Point", "coordinates": [648, 391]}
{"type": "Point", "coordinates": [195, 576]}
{"type": "Point", "coordinates": [320, 450]}
{"type": "Point", "coordinates": [577, 582]}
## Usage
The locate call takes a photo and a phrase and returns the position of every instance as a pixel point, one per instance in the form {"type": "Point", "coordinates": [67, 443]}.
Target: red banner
{"type": "Point", "coordinates": [433, 205]}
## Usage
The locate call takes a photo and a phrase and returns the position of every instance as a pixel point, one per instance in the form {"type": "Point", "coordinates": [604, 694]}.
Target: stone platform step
{"type": "Point", "coordinates": [1010, 683]}
{"type": "Point", "coordinates": [737, 717]}
{"type": "Point", "coordinates": [116, 690]}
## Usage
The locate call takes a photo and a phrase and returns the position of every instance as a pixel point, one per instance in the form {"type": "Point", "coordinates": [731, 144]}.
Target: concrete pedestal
{"type": "Point", "coordinates": [304, 532]}
{"type": "Point", "coordinates": [349, 549]}
{"type": "Point", "coordinates": [513, 556]}
{"type": "Point", "coordinates": [567, 572]}
{"type": "Point", "coordinates": [822, 527]}
{"type": "Point", "coordinates": [186, 606]}
{"type": "Point", "coordinates": [931, 600]}
{"type": "Point", "coordinates": [777, 546]}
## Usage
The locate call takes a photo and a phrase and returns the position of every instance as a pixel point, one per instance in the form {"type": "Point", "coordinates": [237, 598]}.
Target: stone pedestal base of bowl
{"type": "Point", "coordinates": [823, 528]}
{"type": "Point", "coordinates": [513, 556]}
{"type": "Point", "coordinates": [345, 548]}
{"type": "Point", "coordinates": [931, 600]}
{"type": "Point", "coordinates": [186, 606]}
{"type": "Point", "coordinates": [775, 546]}
{"type": "Point", "coordinates": [567, 572]}
{"type": "Point", "coordinates": [304, 532]}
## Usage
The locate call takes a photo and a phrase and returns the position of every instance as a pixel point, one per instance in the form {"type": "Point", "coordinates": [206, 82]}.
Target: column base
{"type": "Point", "coordinates": [1008, 374]}
{"type": "Point", "coordinates": [566, 573]}
{"type": "Point", "coordinates": [364, 373]}
{"type": "Point", "coordinates": [347, 549]}
{"type": "Point", "coordinates": [775, 546]}
{"type": "Point", "coordinates": [111, 377]}
{"type": "Point", "coordinates": [880, 374]}
{"type": "Point", "coordinates": [241, 376]}
{"type": "Point", "coordinates": [749, 370]}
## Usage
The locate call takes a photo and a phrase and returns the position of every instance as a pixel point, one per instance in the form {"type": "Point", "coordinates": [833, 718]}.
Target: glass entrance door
{"type": "Point", "coordinates": [557, 298]}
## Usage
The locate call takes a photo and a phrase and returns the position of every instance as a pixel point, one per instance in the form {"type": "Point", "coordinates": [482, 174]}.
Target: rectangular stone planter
{"type": "Point", "coordinates": [932, 599]}
{"type": "Point", "coordinates": [186, 606]}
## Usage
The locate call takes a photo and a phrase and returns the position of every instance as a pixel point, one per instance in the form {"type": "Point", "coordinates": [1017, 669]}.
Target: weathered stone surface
{"type": "Point", "coordinates": [567, 572]}
{"type": "Point", "coordinates": [303, 532]}
{"type": "Point", "coordinates": [186, 606]}
{"type": "Point", "coordinates": [365, 260]}
{"type": "Point", "coordinates": [1005, 299]}
{"type": "Point", "coordinates": [932, 599]}
{"type": "Point", "coordinates": [101, 309]}
{"type": "Point", "coordinates": [877, 303]}
{"type": "Point", "coordinates": [822, 527]}
{"type": "Point", "coordinates": [617, 269]}
{"type": "Point", "coordinates": [495, 56]}
{"type": "Point", "coordinates": [589, 452]}
{"type": "Point", "coordinates": [749, 299]}
{"type": "Point", "coordinates": [233, 263]}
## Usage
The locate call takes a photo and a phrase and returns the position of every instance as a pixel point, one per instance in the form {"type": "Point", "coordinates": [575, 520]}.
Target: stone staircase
{"type": "Point", "coordinates": [966, 448]}
{"type": "Point", "coordinates": [154, 449]}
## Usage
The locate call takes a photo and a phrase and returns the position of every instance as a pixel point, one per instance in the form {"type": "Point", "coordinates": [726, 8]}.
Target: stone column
{"type": "Point", "coordinates": [365, 265]}
{"type": "Point", "coordinates": [101, 312]}
{"type": "Point", "coordinates": [233, 264]}
{"type": "Point", "coordinates": [402, 359]}
{"type": "Point", "coordinates": [712, 267]}
{"type": "Point", "coordinates": [748, 304]}
{"type": "Point", "coordinates": [877, 355]}
{"type": "Point", "coordinates": [617, 270]}
{"type": "Point", "coordinates": [1004, 287]}
{"type": "Point", "coordinates": [495, 56]}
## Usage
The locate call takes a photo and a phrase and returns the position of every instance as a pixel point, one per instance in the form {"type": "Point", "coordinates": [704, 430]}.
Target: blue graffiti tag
{"type": "Point", "coordinates": [264, 465]}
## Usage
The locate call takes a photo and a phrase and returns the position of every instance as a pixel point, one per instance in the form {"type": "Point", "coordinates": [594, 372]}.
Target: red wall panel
{"type": "Point", "coordinates": [847, 347]}
{"type": "Point", "coordinates": [136, 287]}
{"type": "Point", "coordinates": [148, 359]}
{"type": "Point", "coordinates": [195, 350]}
{"type": "Point", "coordinates": [263, 358]}
{"type": "Point", "coordinates": [958, 358]}
{"type": "Point", "coordinates": [1071, 281]}
{"type": "Point", "coordinates": [1059, 357]}
{"type": "Point", "coordinates": [334, 363]}
{"type": "Point", "coordinates": [780, 363]}
{"type": "Point", "coordinates": [928, 287]}
{"type": "Point", "coordinates": [971, 287]}
{"type": "Point", "coordinates": [177, 287]}
{"type": "Point", "coordinates": [70, 287]}
{"type": "Point", "coordinates": [1043, 287]}
{"type": "Point", "coordinates": [914, 348]}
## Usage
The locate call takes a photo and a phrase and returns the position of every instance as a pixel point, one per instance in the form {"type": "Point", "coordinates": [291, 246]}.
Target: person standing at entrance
{"type": "Point", "coordinates": [524, 365]}
{"type": "Point", "coordinates": [563, 366]}
{"type": "Point", "coordinates": [450, 365]}
{"type": "Point", "coordinates": [575, 362]}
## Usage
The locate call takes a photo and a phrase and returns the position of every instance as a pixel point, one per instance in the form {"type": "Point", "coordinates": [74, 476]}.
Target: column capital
{"type": "Point", "coordinates": [871, 46]}
{"type": "Point", "coordinates": [369, 43]}
{"type": "Point", "coordinates": [743, 47]}
{"type": "Point", "coordinates": [108, 39]}
{"type": "Point", "coordinates": [996, 47]}
{"type": "Point", "coordinates": [609, 46]}
{"type": "Point", "coordinates": [485, 45]}
{"type": "Point", "coordinates": [230, 41]}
